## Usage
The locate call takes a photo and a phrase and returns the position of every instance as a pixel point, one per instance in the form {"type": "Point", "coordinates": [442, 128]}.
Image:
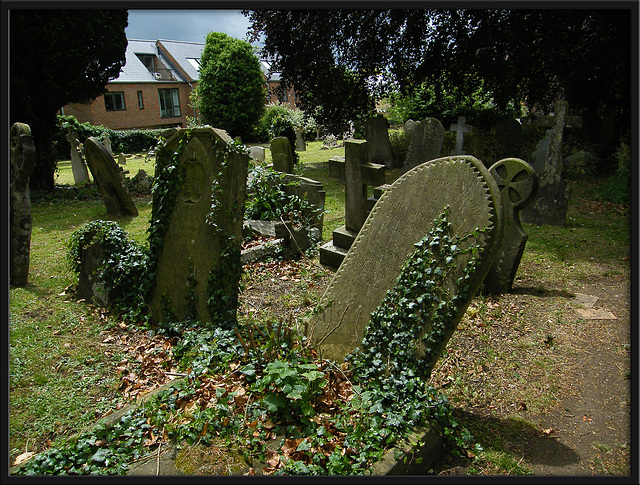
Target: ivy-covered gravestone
{"type": "Point", "coordinates": [419, 258]}
{"type": "Point", "coordinates": [196, 227]}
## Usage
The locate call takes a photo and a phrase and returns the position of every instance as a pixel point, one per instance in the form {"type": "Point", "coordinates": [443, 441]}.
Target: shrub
{"type": "Point", "coordinates": [267, 200]}
{"type": "Point", "coordinates": [399, 146]}
{"type": "Point", "coordinates": [126, 141]}
{"type": "Point", "coordinates": [617, 188]}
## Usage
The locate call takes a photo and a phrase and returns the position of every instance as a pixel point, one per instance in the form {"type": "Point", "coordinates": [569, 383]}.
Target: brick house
{"type": "Point", "coordinates": [154, 87]}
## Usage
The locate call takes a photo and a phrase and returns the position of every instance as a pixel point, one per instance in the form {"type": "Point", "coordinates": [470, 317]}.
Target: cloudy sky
{"type": "Point", "coordinates": [185, 25]}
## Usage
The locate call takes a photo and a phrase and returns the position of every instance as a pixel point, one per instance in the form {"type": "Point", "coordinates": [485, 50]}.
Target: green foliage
{"type": "Point", "coordinates": [124, 270]}
{"type": "Point", "coordinates": [129, 141]}
{"type": "Point", "coordinates": [617, 188]}
{"type": "Point", "coordinates": [409, 329]}
{"type": "Point", "coordinates": [267, 199]}
{"type": "Point", "coordinates": [399, 145]}
{"type": "Point", "coordinates": [289, 388]}
{"type": "Point", "coordinates": [105, 450]}
{"type": "Point", "coordinates": [230, 92]}
{"type": "Point", "coordinates": [282, 120]}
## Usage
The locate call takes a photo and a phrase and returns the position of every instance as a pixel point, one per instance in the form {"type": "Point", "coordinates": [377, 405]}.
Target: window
{"type": "Point", "coordinates": [194, 62]}
{"type": "Point", "coordinates": [140, 101]}
{"type": "Point", "coordinates": [169, 102]}
{"type": "Point", "coordinates": [282, 94]}
{"type": "Point", "coordinates": [114, 101]}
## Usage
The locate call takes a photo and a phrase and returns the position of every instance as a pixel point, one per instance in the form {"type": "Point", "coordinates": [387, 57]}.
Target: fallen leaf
{"type": "Point", "coordinates": [23, 457]}
{"type": "Point", "coordinates": [548, 431]}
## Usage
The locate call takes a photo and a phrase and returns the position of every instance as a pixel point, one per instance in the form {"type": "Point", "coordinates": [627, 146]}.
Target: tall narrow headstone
{"type": "Point", "coordinates": [460, 128]}
{"type": "Point", "coordinates": [108, 177]}
{"type": "Point", "coordinates": [550, 204]}
{"type": "Point", "coordinates": [78, 166]}
{"type": "Point", "coordinates": [201, 244]}
{"type": "Point", "coordinates": [378, 146]}
{"type": "Point", "coordinates": [301, 146]}
{"type": "Point", "coordinates": [409, 126]}
{"type": "Point", "coordinates": [23, 162]}
{"type": "Point", "coordinates": [106, 141]}
{"type": "Point", "coordinates": [426, 143]}
{"type": "Point", "coordinates": [281, 154]}
{"type": "Point", "coordinates": [518, 183]}
{"type": "Point", "coordinates": [402, 217]}
{"type": "Point", "coordinates": [357, 174]}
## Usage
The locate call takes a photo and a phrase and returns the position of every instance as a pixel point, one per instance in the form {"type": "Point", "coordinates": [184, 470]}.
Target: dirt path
{"type": "Point", "coordinates": [584, 427]}
{"type": "Point", "coordinates": [591, 431]}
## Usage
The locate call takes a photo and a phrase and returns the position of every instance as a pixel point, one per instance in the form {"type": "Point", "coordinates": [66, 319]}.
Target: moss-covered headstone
{"type": "Point", "coordinates": [196, 230]}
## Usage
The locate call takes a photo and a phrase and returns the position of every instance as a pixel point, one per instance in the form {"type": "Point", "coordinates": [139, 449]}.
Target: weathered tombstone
{"type": "Point", "coordinates": [122, 159]}
{"type": "Point", "coordinates": [142, 179]}
{"type": "Point", "coordinates": [78, 166]}
{"type": "Point", "coordinates": [107, 176]}
{"type": "Point", "coordinates": [257, 153]}
{"type": "Point", "coordinates": [550, 204]}
{"type": "Point", "coordinates": [106, 141]}
{"type": "Point", "coordinates": [460, 128]}
{"type": "Point", "coordinates": [198, 267]}
{"type": "Point", "coordinates": [90, 288]}
{"type": "Point", "coordinates": [517, 182]}
{"type": "Point", "coordinates": [23, 162]}
{"type": "Point", "coordinates": [378, 146]}
{"type": "Point", "coordinates": [310, 189]}
{"type": "Point", "coordinates": [402, 217]}
{"type": "Point", "coordinates": [301, 146]}
{"type": "Point", "coordinates": [357, 174]}
{"type": "Point", "coordinates": [426, 143]}
{"type": "Point", "coordinates": [281, 154]}
{"type": "Point", "coordinates": [409, 126]}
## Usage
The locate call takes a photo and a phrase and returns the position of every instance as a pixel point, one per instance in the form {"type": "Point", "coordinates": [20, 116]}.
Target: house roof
{"type": "Point", "coordinates": [185, 54]}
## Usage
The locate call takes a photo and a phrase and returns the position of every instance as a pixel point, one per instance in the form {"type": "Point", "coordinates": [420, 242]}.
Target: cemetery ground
{"type": "Point", "coordinates": [543, 387]}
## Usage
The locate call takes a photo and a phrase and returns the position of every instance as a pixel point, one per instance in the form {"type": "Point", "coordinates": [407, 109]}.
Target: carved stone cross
{"type": "Point", "coordinates": [460, 130]}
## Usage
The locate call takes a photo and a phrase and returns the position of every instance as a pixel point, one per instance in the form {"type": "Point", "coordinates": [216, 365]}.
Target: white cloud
{"type": "Point", "coordinates": [185, 25]}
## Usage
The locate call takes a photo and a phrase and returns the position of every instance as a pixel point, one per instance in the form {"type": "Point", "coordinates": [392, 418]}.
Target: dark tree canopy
{"type": "Point", "coordinates": [231, 92]}
{"type": "Point", "coordinates": [533, 56]}
{"type": "Point", "coordinates": [59, 57]}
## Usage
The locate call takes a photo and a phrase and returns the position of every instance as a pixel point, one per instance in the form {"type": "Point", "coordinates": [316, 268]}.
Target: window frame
{"type": "Point", "coordinates": [162, 92]}
{"type": "Point", "coordinates": [140, 100]}
{"type": "Point", "coordinates": [112, 96]}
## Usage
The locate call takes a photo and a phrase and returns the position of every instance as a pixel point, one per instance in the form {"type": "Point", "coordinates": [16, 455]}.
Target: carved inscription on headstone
{"type": "Point", "coordinates": [401, 217]}
{"type": "Point", "coordinates": [194, 247]}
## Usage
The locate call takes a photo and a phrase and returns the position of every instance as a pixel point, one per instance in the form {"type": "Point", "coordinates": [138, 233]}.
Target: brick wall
{"type": "Point", "coordinates": [132, 116]}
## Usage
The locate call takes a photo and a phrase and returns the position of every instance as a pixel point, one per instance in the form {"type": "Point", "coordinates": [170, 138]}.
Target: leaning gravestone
{"type": "Point", "coordinates": [122, 159]}
{"type": "Point", "coordinates": [281, 154]}
{"type": "Point", "coordinates": [405, 213]}
{"type": "Point", "coordinates": [78, 166]}
{"type": "Point", "coordinates": [550, 204]}
{"type": "Point", "coordinates": [518, 183]}
{"type": "Point", "coordinates": [378, 146]}
{"type": "Point", "coordinates": [109, 180]}
{"type": "Point", "coordinates": [23, 161]}
{"type": "Point", "coordinates": [426, 143]}
{"type": "Point", "coordinates": [198, 263]}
